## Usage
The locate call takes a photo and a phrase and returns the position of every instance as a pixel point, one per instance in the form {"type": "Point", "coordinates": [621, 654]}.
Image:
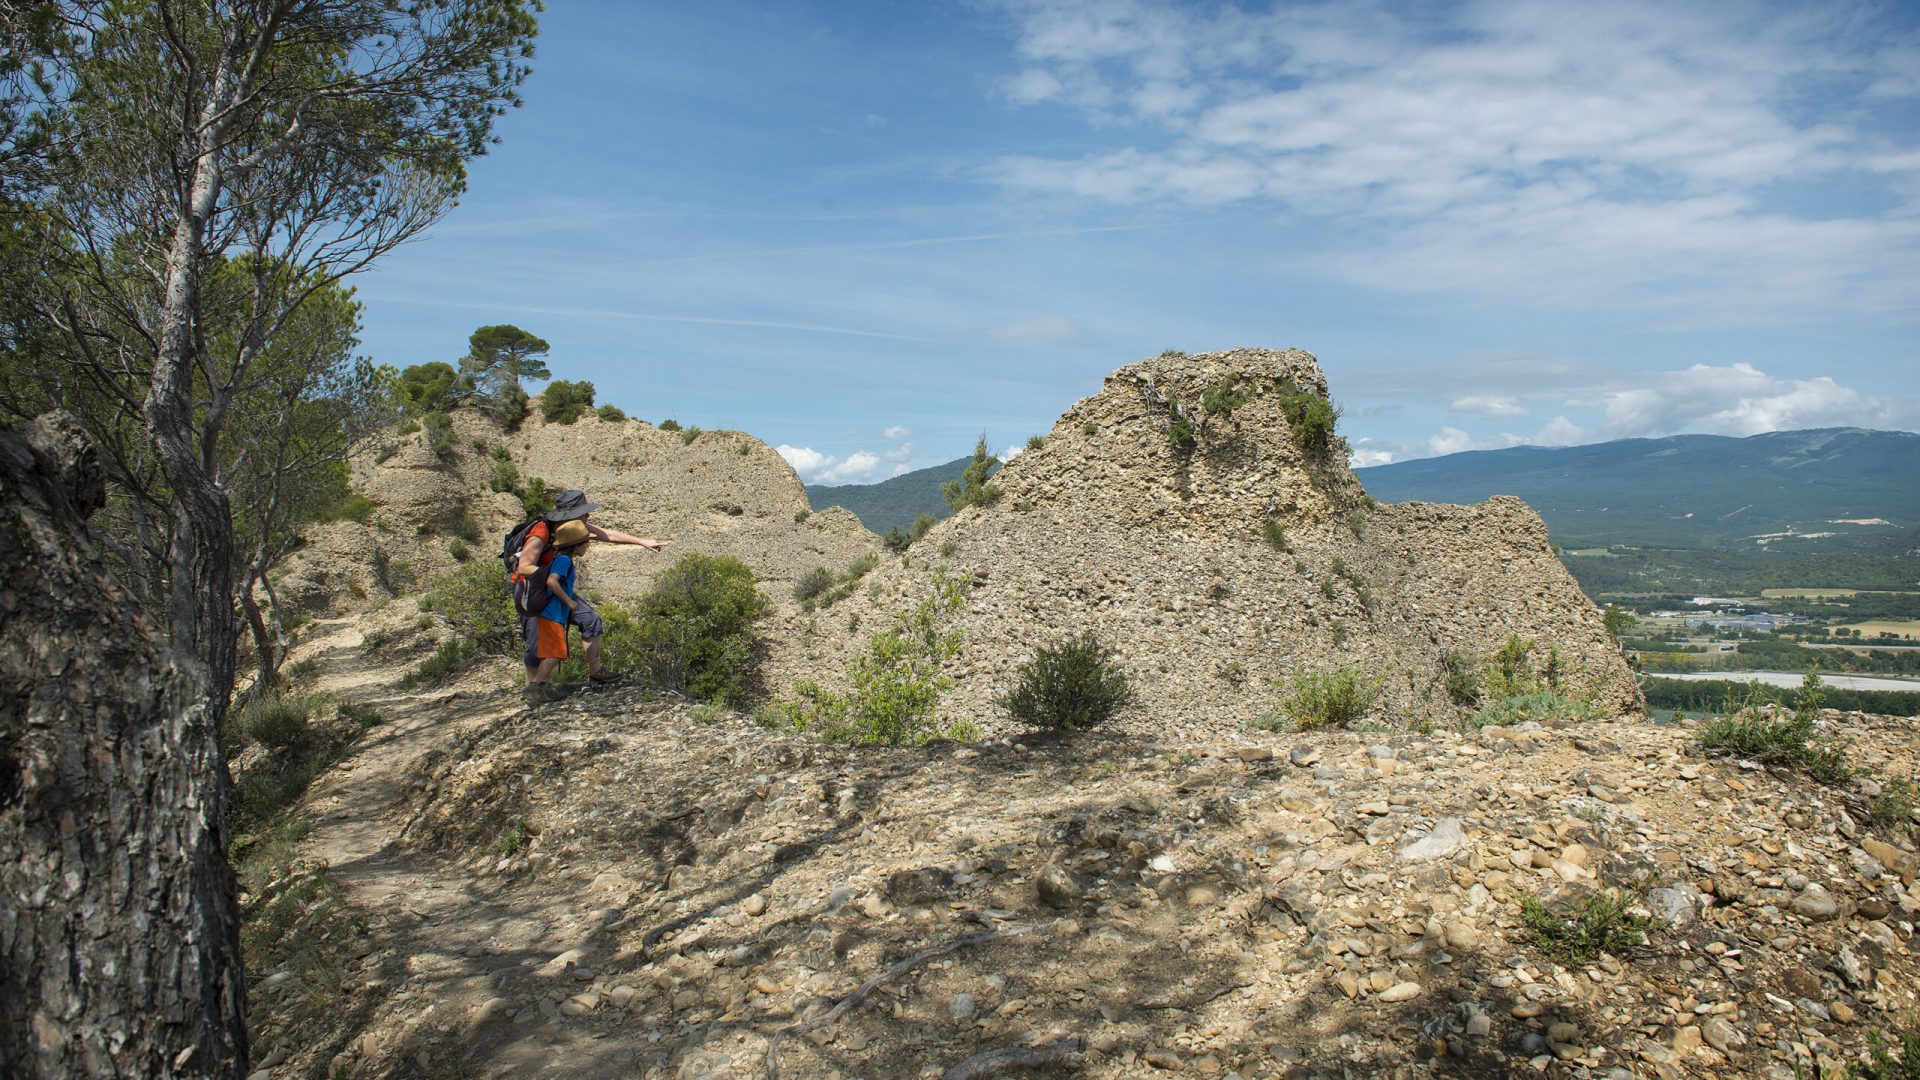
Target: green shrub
{"type": "Point", "coordinates": [1273, 720]}
{"type": "Point", "coordinates": [1882, 1065]}
{"type": "Point", "coordinates": [696, 625]}
{"type": "Point", "coordinates": [277, 722]}
{"type": "Point", "coordinates": [1224, 396]}
{"type": "Point", "coordinates": [690, 434]}
{"type": "Point", "coordinates": [1357, 522]}
{"type": "Point", "coordinates": [354, 507]}
{"type": "Point", "coordinates": [1761, 730]}
{"type": "Point", "coordinates": [1180, 433]}
{"type": "Point", "coordinates": [1090, 428]}
{"type": "Point", "coordinates": [1894, 805]}
{"type": "Point", "coordinates": [1318, 699]}
{"type": "Point", "coordinates": [1511, 670]}
{"type": "Point", "coordinates": [1071, 684]}
{"type": "Point", "coordinates": [1544, 706]}
{"type": "Point", "coordinates": [669, 425]}
{"type": "Point", "coordinates": [394, 575]}
{"type": "Point", "coordinates": [564, 402]}
{"type": "Point", "coordinates": [439, 429]}
{"type": "Point", "coordinates": [452, 657]}
{"type": "Point", "coordinates": [1171, 353]}
{"type": "Point", "coordinates": [1462, 677]}
{"type": "Point", "coordinates": [458, 549]}
{"type": "Point", "coordinates": [536, 499]}
{"type": "Point", "coordinates": [611, 414]}
{"type": "Point", "coordinates": [895, 540]}
{"type": "Point", "coordinates": [506, 476]}
{"type": "Point", "coordinates": [895, 684]}
{"type": "Point", "coordinates": [1035, 442]}
{"type": "Point", "coordinates": [972, 488]}
{"type": "Point", "coordinates": [1310, 417]}
{"type": "Point", "coordinates": [801, 515]}
{"type": "Point", "coordinates": [430, 387]}
{"type": "Point", "coordinates": [814, 582]}
{"type": "Point", "coordinates": [466, 528]}
{"type": "Point", "coordinates": [921, 526]}
{"type": "Point", "coordinates": [474, 599]}
{"type": "Point", "coordinates": [1578, 932]}
{"type": "Point", "coordinates": [1276, 535]}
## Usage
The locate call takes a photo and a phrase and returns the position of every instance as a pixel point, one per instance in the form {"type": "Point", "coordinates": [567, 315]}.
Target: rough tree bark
{"type": "Point", "coordinates": [119, 934]}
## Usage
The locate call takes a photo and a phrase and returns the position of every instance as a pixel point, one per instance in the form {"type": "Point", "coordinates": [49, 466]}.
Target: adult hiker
{"type": "Point", "coordinates": [547, 628]}
{"type": "Point", "coordinates": [536, 551]}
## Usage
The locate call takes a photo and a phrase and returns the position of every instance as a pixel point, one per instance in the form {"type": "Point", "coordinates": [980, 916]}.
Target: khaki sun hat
{"type": "Point", "coordinates": [569, 533]}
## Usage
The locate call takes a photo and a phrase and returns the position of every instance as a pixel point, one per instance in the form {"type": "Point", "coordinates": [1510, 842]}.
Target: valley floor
{"type": "Point", "coordinates": [609, 886]}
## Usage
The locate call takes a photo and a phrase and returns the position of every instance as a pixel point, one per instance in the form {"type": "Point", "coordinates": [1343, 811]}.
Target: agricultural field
{"type": "Point", "coordinates": [1873, 628]}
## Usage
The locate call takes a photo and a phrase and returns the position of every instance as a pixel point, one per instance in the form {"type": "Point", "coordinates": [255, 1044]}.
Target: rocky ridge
{"type": "Point", "coordinates": [619, 885]}
{"type": "Point", "coordinates": [720, 492]}
{"type": "Point", "coordinates": [1164, 552]}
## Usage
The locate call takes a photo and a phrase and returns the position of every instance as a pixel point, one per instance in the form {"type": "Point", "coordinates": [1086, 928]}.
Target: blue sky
{"type": "Point", "coordinates": [868, 232]}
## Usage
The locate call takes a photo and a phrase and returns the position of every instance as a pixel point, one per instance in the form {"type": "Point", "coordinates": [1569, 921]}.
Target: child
{"type": "Point", "coordinates": [548, 630]}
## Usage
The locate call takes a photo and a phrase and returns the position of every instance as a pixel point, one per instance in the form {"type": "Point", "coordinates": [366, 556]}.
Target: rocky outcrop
{"type": "Point", "coordinates": [718, 492]}
{"type": "Point", "coordinates": [1219, 565]}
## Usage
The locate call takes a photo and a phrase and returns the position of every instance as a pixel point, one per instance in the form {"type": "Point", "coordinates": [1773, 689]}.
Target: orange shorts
{"type": "Point", "coordinates": [550, 639]}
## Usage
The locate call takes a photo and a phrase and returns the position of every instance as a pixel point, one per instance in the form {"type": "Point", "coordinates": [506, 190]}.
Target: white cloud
{"type": "Point", "coordinates": [817, 468]}
{"type": "Point", "coordinates": [1012, 452]}
{"type": "Point", "coordinates": [1558, 432]}
{"type": "Point", "coordinates": [1489, 406]}
{"type": "Point", "coordinates": [897, 431]}
{"type": "Point", "coordinates": [1560, 156]}
{"type": "Point", "coordinates": [1451, 440]}
{"type": "Point", "coordinates": [1363, 458]}
{"type": "Point", "coordinates": [1739, 399]}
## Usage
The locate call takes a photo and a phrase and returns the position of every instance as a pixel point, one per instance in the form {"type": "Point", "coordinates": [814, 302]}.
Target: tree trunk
{"type": "Point", "coordinates": [266, 652]}
{"type": "Point", "coordinates": [119, 935]}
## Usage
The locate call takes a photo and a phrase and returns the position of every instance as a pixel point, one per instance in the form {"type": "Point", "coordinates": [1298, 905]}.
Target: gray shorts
{"type": "Point", "coordinates": [584, 617]}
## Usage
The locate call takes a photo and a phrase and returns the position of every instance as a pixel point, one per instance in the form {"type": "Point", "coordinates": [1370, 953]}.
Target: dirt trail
{"type": "Point", "coordinates": [440, 941]}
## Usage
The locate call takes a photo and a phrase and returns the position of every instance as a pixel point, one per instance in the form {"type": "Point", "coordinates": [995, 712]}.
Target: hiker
{"type": "Point", "coordinates": [547, 631]}
{"type": "Point", "coordinates": [536, 551]}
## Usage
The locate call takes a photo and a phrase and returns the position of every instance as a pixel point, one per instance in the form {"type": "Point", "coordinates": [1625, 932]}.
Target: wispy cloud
{"type": "Point", "coordinates": [1489, 406]}
{"type": "Point", "coordinates": [1554, 156]}
{"type": "Point", "coordinates": [1740, 399]}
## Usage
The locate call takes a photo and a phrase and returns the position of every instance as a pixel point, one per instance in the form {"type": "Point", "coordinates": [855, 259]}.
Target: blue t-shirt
{"type": "Point", "coordinates": [560, 575]}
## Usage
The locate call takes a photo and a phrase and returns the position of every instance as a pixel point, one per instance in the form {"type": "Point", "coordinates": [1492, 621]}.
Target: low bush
{"type": "Point", "coordinates": [814, 582]}
{"type": "Point", "coordinates": [1320, 699]}
{"type": "Point", "coordinates": [1181, 434]}
{"type": "Point", "coordinates": [1276, 535]}
{"type": "Point", "coordinates": [801, 515]}
{"type": "Point", "coordinates": [458, 549]}
{"type": "Point", "coordinates": [452, 657]}
{"type": "Point", "coordinates": [475, 601]}
{"type": "Point", "coordinates": [1578, 932]}
{"type": "Point", "coordinates": [1767, 733]}
{"type": "Point", "coordinates": [1069, 685]}
{"type": "Point", "coordinates": [695, 626]}
{"type": "Point", "coordinates": [838, 587]}
{"type": "Point", "coordinates": [466, 528]}
{"type": "Point", "coordinates": [536, 499]}
{"type": "Point", "coordinates": [354, 507]}
{"type": "Point", "coordinates": [690, 434]}
{"type": "Point", "coordinates": [1894, 804]}
{"type": "Point", "coordinates": [896, 684]}
{"type": "Point", "coordinates": [611, 414]}
{"type": "Point", "coordinates": [1224, 396]}
{"type": "Point", "coordinates": [1544, 706]}
{"type": "Point", "coordinates": [1464, 680]}
{"type": "Point", "coordinates": [669, 425]}
{"type": "Point", "coordinates": [276, 722]}
{"type": "Point", "coordinates": [1035, 442]}
{"type": "Point", "coordinates": [564, 402]}
{"type": "Point", "coordinates": [439, 429]}
{"type": "Point", "coordinates": [1310, 417]}
{"type": "Point", "coordinates": [506, 477]}
{"type": "Point", "coordinates": [1881, 1064]}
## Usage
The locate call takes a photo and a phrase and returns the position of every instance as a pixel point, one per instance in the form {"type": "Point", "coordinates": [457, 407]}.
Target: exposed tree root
{"type": "Point", "coordinates": [1055, 1052]}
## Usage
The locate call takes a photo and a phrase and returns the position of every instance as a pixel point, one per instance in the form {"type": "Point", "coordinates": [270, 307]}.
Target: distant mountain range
{"type": "Point", "coordinates": [1830, 487]}
{"type": "Point", "coordinates": [896, 502]}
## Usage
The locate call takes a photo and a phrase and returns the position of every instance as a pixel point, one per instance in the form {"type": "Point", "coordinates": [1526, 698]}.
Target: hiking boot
{"type": "Point", "coordinates": [540, 693]}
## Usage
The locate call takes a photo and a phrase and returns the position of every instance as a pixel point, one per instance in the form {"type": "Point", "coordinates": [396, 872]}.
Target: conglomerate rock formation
{"type": "Point", "coordinates": [718, 492]}
{"type": "Point", "coordinates": [1170, 549]}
